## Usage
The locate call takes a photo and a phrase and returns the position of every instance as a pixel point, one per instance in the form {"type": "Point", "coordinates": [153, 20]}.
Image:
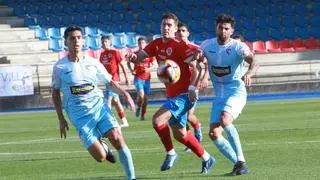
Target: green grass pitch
{"type": "Point", "coordinates": [281, 140]}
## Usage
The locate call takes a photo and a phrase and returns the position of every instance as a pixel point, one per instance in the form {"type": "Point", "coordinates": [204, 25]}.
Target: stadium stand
{"type": "Point", "coordinates": [282, 34]}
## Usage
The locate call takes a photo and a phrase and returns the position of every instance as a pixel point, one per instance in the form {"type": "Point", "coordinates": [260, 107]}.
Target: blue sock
{"type": "Point", "coordinates": [234, 140]}
{"type": "Point", "coordinates": [225, 148]}
{"type": "Point", "coordinates": [126, 162]}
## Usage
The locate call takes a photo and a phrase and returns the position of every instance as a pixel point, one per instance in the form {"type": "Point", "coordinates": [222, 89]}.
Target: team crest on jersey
{"type": "Point", "coordinates": [109, 55]}
{"type": "Point", "coordinates": [221, 71]}
{"type": "Point", "coordinates": [169, 51]}
{"type": "Point", "coordinates": [228, 51]}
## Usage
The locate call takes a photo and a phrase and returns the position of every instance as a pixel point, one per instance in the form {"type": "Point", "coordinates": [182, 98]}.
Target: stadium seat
{"type": "Point", "coordinates": [119, 7]}
{"type": "Point", "coordinates": [119, 40]}
{"type": "Point", "coordinates": [92, 18]}
{"type": "Point", "coordinates": [272, 46]}
{"type": "Point", "coordinates": [128, 27]}
{"type": "Point", "coordinates": [314, 32]}
{"type": "Point", "coordinates": [42, 21]}
{"type": "Point", "coordinates": [94, 7]}
{"type": "Point", "coordinates": [287, 33]}
{"type": "Point", "coordinates": [258, 47]}
{"type": "Point", "coordinates": [288, 22]}
{"type": "Point", "coordinates": [197, 38]}
{"type": "Point", "coordinates": [44, 9]}
{"type": "Point", "coordinates": [41, 34]}
{"type": "Point", "coordinates": [116, 28]}
{"type": "Point", "coordinates": [131, 39]}
{"type": "Point", "coordinates": [135, 7]}
{"type": "Point", "coordinates": [312, 44]}
{"type": "Point", "coordinates": [263, 35]}
{"type": "Point", "coordinates": [30, 22]}
{"type": "Point", "coordinates": [301, 33]}
{"type": "Point", "coordinates": [144, 17]}
{"type": "Point", "coordinates": [261, 23]}
{"type": "Point", "coordinates": [285, 46]}
{"type": "Point", "coordinates": [301, 9]}
{"type": "Point", "coordinates": [66, 20]}
{"type": "Point", "coordinates": [93, 53]}
{"type": "Point", "coordinates": [19, 10]}
{"type": "Point", "coordinates": [62, 30]}
{"type": "Point", "coordinates": [55, 45]}
{"type": "Point", "coordinates": [250, 35]}
{"type": "Point", "coordinates": [54, 21]}
{"type": "Point", "coordinates": [91, 31]}
{"type": "Point", "coordinates": [142, 28]}
{"type": "Point", "coordinates": [102, 30]}
{"type": "Point", "coordinates": [54, 33]}
{"type": "Point", "coordinates": [301, 21]}
{"type": "Point", "coordinates": [117, 17]}
{"type": "Point", "coordinates": [298, 45]}
{"type": "Point", "coordinates": [274, 22]}
{"type": "Point", "coordinates": [287, 9]}
{"type": "Point", "coordinates": [93, 43]}
{"type": "Point", "coordinates": [129, 17]}
{"type": "Point", "coordinates": [315, 20]}
{"type": "Point", "coordinates": [79, 19]}
{"type": "Point", "coordinates": [249, 44]}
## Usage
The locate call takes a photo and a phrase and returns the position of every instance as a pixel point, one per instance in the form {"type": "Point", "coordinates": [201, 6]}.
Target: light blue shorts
{"type": "Point", "coordinates": [232, 104]}
{"type": "Point", "coordinates": [92, 122]}
{"type": "Point", "coordinates": [110, 93]}
{"type": "Point", "coordinates": [179, 107]}
{"type": "Point", "coordinates": [142, 85]}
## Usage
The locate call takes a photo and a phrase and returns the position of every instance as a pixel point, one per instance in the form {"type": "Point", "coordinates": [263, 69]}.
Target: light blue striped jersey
{"type": "Point", "coordinates": [226, 65]}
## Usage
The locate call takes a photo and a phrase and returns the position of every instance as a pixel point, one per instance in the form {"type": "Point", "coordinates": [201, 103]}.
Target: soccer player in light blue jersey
{"type": "Point", "coordinates": [225, 58]}
{"type": "Point", "coordinates": [77, 77]}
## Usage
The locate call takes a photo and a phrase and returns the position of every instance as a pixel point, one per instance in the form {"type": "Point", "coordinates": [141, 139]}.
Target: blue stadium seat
{"type": "Point", "coordinates": [41, 34]}
{"type": "Point", "coordinates": [66, 20]}
{"type": "Point", "coordinates": [133, 6]}
{"type": "Point", "coordinates": [288, 22]}
{"type": "Point", "coordinates": [147, 6]}
{"type": "Point", "coordinates": [274, 22]}
{"type": "Point", "coordinates": [197, 15]}
{"type": "Point", "coordinates": [79, 20]}
{"type": "Point", "coordinates": [156, 16]}
{"type": "Point", "coordinates": [274, 10]}
{"type": "Point", "coordinates": [209, 25]}
{"type": "Point", "coordinates": [104, 17]}
{"type": "Point", "coordinates": [93, 43]}
{"type": "Point", "coordinates": [263, 35]}
{"type": "Point", "coordinates": [54, 21]}
{"type": "Point", "coordinates": [301, 9]}
{"type": "Point", "coordinates": [91, 31]}
{"type": "Point", "coordinates": [196, 26]}
{"type": "Point", "coordinates": [19, 10]}
{"type": "Point", "coordinates": [119, 7]}
{"type": "Point", "coordinates": [54, 33]}
{"type": "Point", "coordinates": [67, 9]}
{"type": "Point", "coordinates": [119, 40]}
{"type": "Point", "coordinates": [104, 31]}
{"type": "Point", "coordinates": [287, 33]}
{"type": "Point", "coordinates": [55, 45]}
{"type": "Point", "coordinates": [249, 13]}
{"type": "Point", "coordinates": [261, 11]}
{"type": "Point", "coordinates": [129, 17]}
{"type": "Point", "coordinates": [116, 28]}
{"type": "Point", "coordinates": [161, 6]}
{"type": "Point", "coordinates": [131, 40]}
{"type": "Point", "coordinates": [287, 9]}
{"type": "Point", "coordinates": [144, 17]}
{"type": "Point", "coordinates": [183, 15]}
{"type": "Point", "coordinates": [275, 34]}
{"type": "Point", "coordinates": [62, 30]}
{"type": "Point", "coordinates": [249, 24]}
{"type": "Point", "coordinates": [315, 20]}
{"type": "Point", "coordinates": [42, 21]}
{"type": "Point", "coordinates": [80, 8]}
{"type": "Point", "coordinates": [154, 29]}
{"type": "Point", "coordinates": [315, 6]}
{"type": "Point", "coordinates": [117, 17]}
{"type": "Point", "coordinates": [197, 38]}
{"type": "Point", "coordinates": [250, 35]}
{"type": "Point", "coordinates": [44, 9]}
{"type": "Point", "coordinates": [106, 7]}
{"type": "Point", "coordinates": [199, 4]}
{"type": "Point", "coordinates": [128, 27]}
{"type": "Point", "coordinates": [30, 22]}
{"type": "Point", "coordinates": [314, 32]}
{"type": "Point", "coordinates": [94, 7]}
{"type": "Point", "coordinates": [186, 4]}
{"type": "Point", "coordinates": [264, 3]}
{"type": "Point", "coordinates": [301, 33]}
{"type": "Point", "coordinates": [92, 18]}
{"type": "Point", "coordinates": [301, 21]}
{"type": "Point", "coordinates": [31, 9]}
{"type": "Point", "coordinates": [261, 23]}
{"type": "Point", "coordinates": [142, 28]}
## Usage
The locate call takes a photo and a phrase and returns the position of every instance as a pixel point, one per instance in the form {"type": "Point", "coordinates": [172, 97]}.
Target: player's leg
{"type": "Point", "coordinates": [139, 99]}
{"type": "Point", "coordinates": [231, 111]}
{"type": "Point", "coordinates": [195, 123]}
{"type": "Point", "coordinates": [185, 137]}
{"type": "Point", "coordinates": [117, 140]}
{"type": "Point", "coordinates": [159, 120]}
{"type": "Point", "coordinates": [146, 89]}
{"type": "Point", "coordinates": [215, 132]}
{"type": "Point", "coordinates": [120, 110]}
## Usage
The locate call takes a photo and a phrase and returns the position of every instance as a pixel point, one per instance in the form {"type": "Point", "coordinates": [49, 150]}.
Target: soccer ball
{"type": "Point", "coordinates": [168, 72]}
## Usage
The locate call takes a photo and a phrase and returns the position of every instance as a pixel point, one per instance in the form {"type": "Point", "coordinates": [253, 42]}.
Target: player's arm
{"type": "Point", "coordinates": [203, 64]}
{"type": "Point", "coordinates": [115, 87]}
{"type": "Point", "coordinates": [253, 67]}
{"type": "Point", "coordinates": [63, 124]}
{"type": "Point", "coordinates": [125, 73]}
{"type": "Point", "coordinates": [129, 64]}
{"type": "Point", "coordinates": [137, 57]}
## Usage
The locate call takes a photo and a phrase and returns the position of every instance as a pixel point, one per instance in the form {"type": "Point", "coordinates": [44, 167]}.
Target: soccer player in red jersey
{"type": "Point", "coordinates": [141, 80]}
{"type": "Point", "coordinates": [183, 34]}
{"type": "Point", "coordinates": [111, 59]}
{"type": "Point", "coordinates": [181, 95]}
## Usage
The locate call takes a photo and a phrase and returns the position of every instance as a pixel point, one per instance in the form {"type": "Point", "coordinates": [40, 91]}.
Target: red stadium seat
{"type": "Point", "coordinates": [286, 46]}
{"type": "Point", "coordinates": [259, 47]}
{"type": "Point", "coordinates": [312, 43]}
{"type": "Point", "coordinates": [249, 44]}
{"type": "Point", "coordinates": [272, 46]}
{"type": "Point", "coordinates": [298, 45]}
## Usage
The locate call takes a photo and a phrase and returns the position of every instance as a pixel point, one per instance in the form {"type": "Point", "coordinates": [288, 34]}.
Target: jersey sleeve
{"type": "Point", "coordinates": [56, 81]}
{"type": "Point", "coordinates": [150, 49]}
{"type": "Point", "coordinates": [185, 52]}
{"type": "Point", "coordinates": [243, 50]}
{"type": "Point", "coordinates": [102, 73]}
{"type": "Point", "coordinates": [118, 56]}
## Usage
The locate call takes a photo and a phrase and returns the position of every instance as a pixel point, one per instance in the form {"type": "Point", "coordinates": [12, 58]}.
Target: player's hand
{"type": "Point", "coordinates": [128, 82]}
{"type": "Point", "coordinates": [247, 79]}
{"type": "Point", "coordinates": [197, 54]}
{"type": "Point", "coordinates": [131, 56]}
{"type": "Point", "coordinates": [64, 127]}
{"type": "Point", "coordinates": [204, 83]}
{"type": "Point", "coordinates": [130, 102]}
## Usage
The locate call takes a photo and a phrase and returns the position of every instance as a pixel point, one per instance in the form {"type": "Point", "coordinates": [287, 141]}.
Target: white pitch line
{"type": "Point", "coordinates": [144, 150]}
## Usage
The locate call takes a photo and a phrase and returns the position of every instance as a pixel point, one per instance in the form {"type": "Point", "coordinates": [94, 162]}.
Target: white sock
{"type": "Point", "coordinates": [205, 156]}
{"type": "Point", "coordinates": [241, 158]}
{"type": "Point", "coordinates": [171, 152]}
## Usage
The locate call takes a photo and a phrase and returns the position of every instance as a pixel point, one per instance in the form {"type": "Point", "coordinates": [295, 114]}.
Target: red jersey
{"type": "Point", "coordinates": [111, 59]}
{"type": "Point", "coordinates": [140, 69]}
{"type": "Point", "coordinates": [192, 47]}
{"type": "Point", "coordinates": [177, 51]}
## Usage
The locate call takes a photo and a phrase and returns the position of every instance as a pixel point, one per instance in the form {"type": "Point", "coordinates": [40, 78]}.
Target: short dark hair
{"type": "Point", "coordinates": [181, 24]}
{"type": "Point", "coordinates": [142, 38]}
{"type": "Point", "coordinates": [109, 37]}
{"type": "Point", "coordinates": [71, 29]}
{"type": "Point", "coordinates": [224, 18]}
{"type": "Point", "coordinates": [171, 16]}
{"type": "Point", "coordinates": [238, 36]}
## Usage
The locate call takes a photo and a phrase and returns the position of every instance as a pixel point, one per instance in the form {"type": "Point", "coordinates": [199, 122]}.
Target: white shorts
{"type": "Point", "coordinates": [232, 104]}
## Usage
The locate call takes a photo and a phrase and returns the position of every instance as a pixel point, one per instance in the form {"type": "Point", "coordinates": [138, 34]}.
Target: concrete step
{"type": "Point", "coordinates": [27, 46]}
{"type": "Point", "coordinates": [272, 58]}
{"type": "Point", "coordinates": [33, 58]}
{"type": "Point", "coordinates": [15, 34]}
{"type": "Point", "coordinates": [5, 11]}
